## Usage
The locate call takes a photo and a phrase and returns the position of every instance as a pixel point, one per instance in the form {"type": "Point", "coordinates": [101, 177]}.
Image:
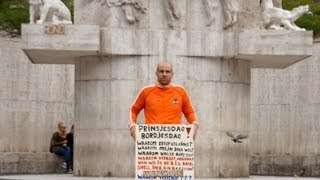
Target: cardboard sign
{"type": "Point", "coordinates": [164, 152]}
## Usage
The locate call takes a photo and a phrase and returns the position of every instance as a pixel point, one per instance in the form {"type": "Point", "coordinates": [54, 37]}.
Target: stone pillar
{"type": "Point", "coordinates": [106, 87]}
{"type": "Point", "coordinates": [222, 103]}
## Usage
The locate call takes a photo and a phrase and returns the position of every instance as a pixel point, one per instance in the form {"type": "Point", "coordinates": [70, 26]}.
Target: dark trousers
{"type": "Point", "coordinates": [65, 152]}
{"type": "Point", "coordinates": [71, 158]}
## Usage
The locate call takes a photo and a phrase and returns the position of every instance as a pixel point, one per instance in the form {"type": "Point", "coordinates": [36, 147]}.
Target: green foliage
{"type": "Point", "coordinates": [307, 21]}
{"type": "Point", "coordinates": [13, 13]}
{"type": "Point", "coordinates": [70, 5]}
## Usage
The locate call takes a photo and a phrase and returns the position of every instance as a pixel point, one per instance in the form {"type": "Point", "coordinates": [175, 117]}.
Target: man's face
{"type": "Point", "coordinates": [164, 73]}
{"type": "Point", "coordinates": [62, 128]}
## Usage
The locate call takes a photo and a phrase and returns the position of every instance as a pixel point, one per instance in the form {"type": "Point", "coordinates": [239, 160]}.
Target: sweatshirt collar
{"type": "Point", "coordinates": [164, 86]}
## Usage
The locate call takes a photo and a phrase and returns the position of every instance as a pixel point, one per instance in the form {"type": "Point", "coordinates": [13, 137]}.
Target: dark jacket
{"type": "Point", "coordinates": [70, 140]}
{"type": "Point", "coordinates": [56, 142]}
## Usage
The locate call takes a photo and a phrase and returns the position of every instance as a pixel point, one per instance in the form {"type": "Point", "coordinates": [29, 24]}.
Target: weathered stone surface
{"type": "Point", "coordinates": [249, 14]}
{"type": "Point", "coordinates": [209, 61]}
{"type": "Point", "coordinates": [23, 121]}
{"type": "Point", "coordinates": [285, 118]}
{"type": "Point", "coordinates": [274, 49]}
{"type": "Point", "coordinates": [161, 42]}
{"type": "Point", "coordinates": [275, 91]}
{"type": "Point", "coordinates": [315, 172]}
{"type": "Point", "coordinates": [211, 113]}
{"type": "Point", "coordinates": [104, 152]}
{"type": "Point", "coordinates": [264, 49]}
{"type": "Point", "coordinates": [151, 35]}
{"type": "Point", "coordinates": [30, 163]}
{"type": "Point", "coordinates": [33, 99]}
{"type": "Point", "coordinates": [107, 87]}
{"type": "Point", "coordinates": [78, 40]}
{"type": "Point", "coordinates": [284, 165]}
{"type": "Point", "coordinates": [236, 71]}
{"type": "Point", "coordinates": [192, 15]}
{"type": "Point", "coordinates": [235, 108]}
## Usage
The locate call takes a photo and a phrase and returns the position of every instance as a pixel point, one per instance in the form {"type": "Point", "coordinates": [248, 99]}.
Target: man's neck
{"type": "Point", "coordinates": [164, 86]}
{"type": "Point", "coordinates": [62, 134]}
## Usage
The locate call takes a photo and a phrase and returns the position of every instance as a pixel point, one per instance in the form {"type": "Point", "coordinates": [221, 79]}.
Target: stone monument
{"type": "Point", "coordinates": [116, 45]}
{"type": "Point", "coordinates": [54, 11]}
{"type": "Point", "coordinates": [275, 17]}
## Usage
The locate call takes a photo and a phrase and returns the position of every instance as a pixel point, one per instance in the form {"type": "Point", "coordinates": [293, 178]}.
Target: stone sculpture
{"type": "Point", "coordinates": [35, 10]}
{"type": "Point", "coordinates": [230, 11]}
{"type": "Point", "coordinates": [173, 12]}
{"type": "Point", "coordinates": [278, 19]}
{"type": "Point", "coordinates": [54, 11]}
{"type": "Point", "coordinates": [277, 3]}
{"type": "Point", "coordinates": [265, 4]}
{"type": "Point", "coordinates": [210, 7]}
{"type": "Point", "coordinates": [130, 8]}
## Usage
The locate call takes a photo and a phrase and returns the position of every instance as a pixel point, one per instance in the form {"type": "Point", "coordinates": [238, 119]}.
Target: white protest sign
{"type": "Point", "coordinates": [164, 152]}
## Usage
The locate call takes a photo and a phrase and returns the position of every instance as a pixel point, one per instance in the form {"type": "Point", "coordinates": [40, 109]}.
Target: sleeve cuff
{"type": "Point", "coordinates": [132, 125]}
{"type": "Point", "coordinates": [195, 123]}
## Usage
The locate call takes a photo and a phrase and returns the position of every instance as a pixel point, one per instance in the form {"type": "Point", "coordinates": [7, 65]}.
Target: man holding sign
{"type": "Point", "coordinates": [163, 103]}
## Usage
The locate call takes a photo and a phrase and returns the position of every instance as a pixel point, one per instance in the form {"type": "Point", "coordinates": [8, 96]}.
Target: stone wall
{"type": "Point", "coordinates": [33, 99]}
{"type": "Point", "coordinates": [285, 113]}
{"type": "Point", "coordinates": [103, 100]}
{"type": "Point", "coordinates": [106, 85]}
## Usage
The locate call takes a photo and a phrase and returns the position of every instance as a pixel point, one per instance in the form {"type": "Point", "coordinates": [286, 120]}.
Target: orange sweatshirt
{"type": "Point", "coordinates": [162, 105]}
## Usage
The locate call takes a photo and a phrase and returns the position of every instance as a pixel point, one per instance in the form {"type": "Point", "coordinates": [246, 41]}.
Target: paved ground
{"type": "Point", "coordinates": [69, 176]}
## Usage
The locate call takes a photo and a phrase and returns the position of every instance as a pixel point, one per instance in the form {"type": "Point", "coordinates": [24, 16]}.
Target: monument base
{"type": "Point", "coordinates": [214, 67]}
{"type": "Point", "coordinates": [59, 46]}
{"type": "Point", "coordinates": [30, 163]}
{"type": "Point", "coordinates": [274, 49]}
{"type": "Point", "coordinates": [106, 87]}
{"type": "Point", "coordinates": [284, 165]}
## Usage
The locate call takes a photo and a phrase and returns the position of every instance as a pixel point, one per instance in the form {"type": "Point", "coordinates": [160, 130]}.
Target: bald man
{"type": "Point", "coordinates": [163, 102]}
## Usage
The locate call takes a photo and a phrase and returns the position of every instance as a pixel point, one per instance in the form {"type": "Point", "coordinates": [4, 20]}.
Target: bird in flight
{"type": "Point", "coordinates": [236, 138]}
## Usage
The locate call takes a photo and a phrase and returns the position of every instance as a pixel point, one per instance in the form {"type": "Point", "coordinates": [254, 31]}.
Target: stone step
{"type": "Point", "coordinates": [30, 163]}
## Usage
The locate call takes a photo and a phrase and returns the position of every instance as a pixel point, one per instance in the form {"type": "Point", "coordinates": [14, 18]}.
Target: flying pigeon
{"type": "Point", "coordinates": [237, 137]}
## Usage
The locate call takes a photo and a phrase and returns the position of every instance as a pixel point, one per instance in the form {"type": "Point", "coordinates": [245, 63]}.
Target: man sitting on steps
{"type": "Point", "coordinates": [59, 146]}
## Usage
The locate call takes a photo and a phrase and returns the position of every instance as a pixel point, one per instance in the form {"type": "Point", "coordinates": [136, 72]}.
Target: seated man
{"type": "Point", "coordinates": [59, 146]}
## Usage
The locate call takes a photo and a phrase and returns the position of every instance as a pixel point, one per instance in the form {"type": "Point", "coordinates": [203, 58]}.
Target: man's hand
{"type": "Point", "coordinates": [133, 132]}
{"type": "Point", "coordinates": [64, 143]}
{"type": "Point", "coordinates": [195, 130]}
